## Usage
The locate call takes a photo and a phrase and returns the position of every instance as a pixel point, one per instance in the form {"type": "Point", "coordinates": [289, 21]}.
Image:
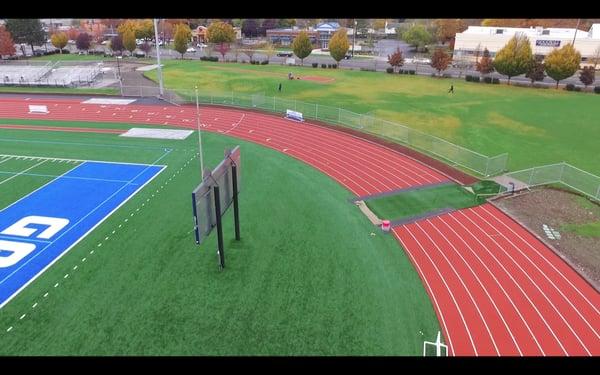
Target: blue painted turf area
{"type": "Point", "coordinates": [84, 196]}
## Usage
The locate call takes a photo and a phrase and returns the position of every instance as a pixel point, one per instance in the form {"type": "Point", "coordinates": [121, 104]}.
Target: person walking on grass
{"type": "Point", "coordinates": [451, 89]}
{"type": "Point", "coordinates": [279, 87]}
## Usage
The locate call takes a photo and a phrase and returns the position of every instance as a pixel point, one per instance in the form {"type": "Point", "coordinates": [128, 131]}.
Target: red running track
{"type": "Point", "coordinates": [498, 290]}
{"type": "Point", "coordinates": [361, 166]}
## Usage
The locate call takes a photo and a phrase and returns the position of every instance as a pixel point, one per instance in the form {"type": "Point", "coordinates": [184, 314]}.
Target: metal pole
{"type": "Point", "coordinates": [219, 227]}
{"type": "Point", "coordinates": [120, 80]}
{"type": "Point", "coordinates": [354, 37]}
{"type": "Point", "coordinates": [236, 212]}
{"type": "Point", "coordinates": [199, 136]}
{"type": "Point", "coordinates": [576, 27]}
{"type": "Point", "coordinates": [160, 79]}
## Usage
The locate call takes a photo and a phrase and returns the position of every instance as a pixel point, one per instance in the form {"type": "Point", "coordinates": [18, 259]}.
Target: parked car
{"type": "Point", "coordinates": [285, 54]}
{"type": "Point", "coordinates": [39, 52]}
{"type": "Point", "coordinates": [139, 54]}
{"type": "Point", "coordinates": [201, 45]}
{"type": "Point", "coordinates": [191, 49]}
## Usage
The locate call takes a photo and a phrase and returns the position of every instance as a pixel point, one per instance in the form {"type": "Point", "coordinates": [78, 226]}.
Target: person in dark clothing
{"type": "Point", "coordinates": [451, 89]}
{"type": "Point", "coordinates": [280, 87]}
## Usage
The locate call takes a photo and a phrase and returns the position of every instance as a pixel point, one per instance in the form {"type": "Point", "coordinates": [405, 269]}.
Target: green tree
{"type": "Point", "coordinates": [144, 29]}
{"type": "Point", "coordinates": [302, 46]}
{"type": "Point", "coordinates": [28, 30]}
{"type": "Point", "coordinates": [562, 63]}
{"type": "Point", "coordinates": [129, 40]}
{"type": "Point", "coordinates": [535, 71]}
{"type": "Point", "coordinates": [440, 60]}
{"type": "Point", "coordinates": [183, 35]}
{"type": "Point", "coordinates": [514, 58]}
{"type": "Point", "coordinates": [338, 45]}
{"type": "Point", "coordinates": [418, 36]}
{"type": "Point", "coordinates": [485, 65]}
{"type": "Point", "coordinates": [221, 33]}
{"type": "Point", "coordinates": [59, 40]}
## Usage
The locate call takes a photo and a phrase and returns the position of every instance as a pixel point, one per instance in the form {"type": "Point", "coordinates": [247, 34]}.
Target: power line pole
{"type": "Point", "coordinates": [160, 78]}
{"type": "Point", "coordinates": [576, 27]}
{"type": "Point", "coordinates": [354, 37]}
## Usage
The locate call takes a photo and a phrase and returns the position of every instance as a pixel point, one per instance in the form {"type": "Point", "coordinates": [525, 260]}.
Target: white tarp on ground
{"type": "Point", "coordinates": [149, 67]}
{"type": "Point", "coordinates": [108, 101]}
{"type": "Point", "coordinates": [157, 133]}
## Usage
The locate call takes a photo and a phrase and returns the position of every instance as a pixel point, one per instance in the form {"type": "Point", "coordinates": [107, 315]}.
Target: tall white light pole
{"type": "Point", "coordinates": [160, 79]}
{"type": "Point", "coordinates": [199, 137]}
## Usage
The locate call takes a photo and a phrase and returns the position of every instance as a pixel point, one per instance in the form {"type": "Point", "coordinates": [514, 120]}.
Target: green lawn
{"type": "Point", "coordinates": [591, 228]}
{"type": "Point", "coordinates": [421, 201]}
{"type": "Point", "coordinates": [307, 278]}
{"type": "Point", "coordinates": [535, 126]}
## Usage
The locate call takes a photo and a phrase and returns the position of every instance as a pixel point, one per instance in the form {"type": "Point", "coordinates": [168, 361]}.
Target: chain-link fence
{"type": "Point", "coordinates": [561, 173]}
{"type": "Point", "coordinates": [457, 155]}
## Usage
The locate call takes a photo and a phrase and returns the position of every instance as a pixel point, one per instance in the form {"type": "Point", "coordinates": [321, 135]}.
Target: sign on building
{"type": "Point", "coordinates": [547, 43]}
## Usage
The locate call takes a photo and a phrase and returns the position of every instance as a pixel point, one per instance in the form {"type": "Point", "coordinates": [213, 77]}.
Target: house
{"type": "Point", "coordinates": [199, 34]}
{"type": "Point", "coordinates": [285, 36]}
{"type": "Point", "coordinates": [543, 40]}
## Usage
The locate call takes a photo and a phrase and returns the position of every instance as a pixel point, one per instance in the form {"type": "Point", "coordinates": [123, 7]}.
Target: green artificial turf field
{"type": "Point", "coordinates": [421, 201]}
{"type": "Point", "coordinates": [535, 126]}
{"type": "Point", "coordinates": [307, 277]}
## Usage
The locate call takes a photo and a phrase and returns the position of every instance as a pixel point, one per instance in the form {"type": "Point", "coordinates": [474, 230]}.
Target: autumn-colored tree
{"type": "Point", "coordinates": [535, 71]}
{"type": "Point", "coordinates": [250, 27]}
{"type": "Point", "coordinates": [302, 46]}
{"type": "Point", "coordinates": [269, 50]}
{"type": "Point", "coordinates": [562, 62]}
{"type": "Point", "coordinates": [146, 47]}
{"type": "Point", "coordinates": [83, 42]}
{"type": "Point", "coordinates": [116, 44]}
{"type": "Point", "coordinates": [129, 40]}
{"type": "Point", "coordinates": [595, 59]}
{"type": "Point", "coordinates": [221, 34]}
{"type": "Point", "coordinates": [446, 29]}
{"type": "Point", "coordinates": [514, 58]}
{"type": "Point", "coordinates": [130, 25]}
{"type": "Point", "coordinates": [379, 24]}
{"type": "Point", "coordinates": [7, 45]}
{"type": "Point", "coordinates": [418, 36]}
{"type": "Point", "coordinates": [440, 60]}
{"type": "Point", "coordinates": [167, 31]}
{"type": "Point", "coordinates": [339, 45]}
{"type": "Point", "coordinates": [73, 33]}
{"type": "Point", "coordinates": [267, 24]}
{"type": "Point", "coordinates": [587, 75]}
{"type": "Point", "coordinates": [144, 29]}
{"type": "Point", "coordinates": [485, 65]}
{"type": "Point", "coordinates": [183, 35]}
{"type": "Point", "coordinates": [395, 59]}
{"type": "Point", "coordinates": [59, 40]}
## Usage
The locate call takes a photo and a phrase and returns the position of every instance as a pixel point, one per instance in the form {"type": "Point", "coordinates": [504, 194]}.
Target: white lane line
{"type": "Point", "coordinates": [23, 171]}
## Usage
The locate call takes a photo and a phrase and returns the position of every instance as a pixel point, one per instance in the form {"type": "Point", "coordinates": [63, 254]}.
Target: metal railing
{"type": "Point", "coordinates": [481, 164]}
{"type": "Point", "coordinates": [560, 173]}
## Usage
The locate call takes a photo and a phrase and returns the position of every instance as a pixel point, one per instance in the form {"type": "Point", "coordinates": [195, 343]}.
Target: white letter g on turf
{"type": "Point", "coordinates": [19, 250]}
{"type": "Point", "coordinates": [55, 224]}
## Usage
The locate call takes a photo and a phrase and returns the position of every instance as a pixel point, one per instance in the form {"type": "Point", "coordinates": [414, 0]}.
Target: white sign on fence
{"type": "Point", "coordinates": [294, 115]}
{"type": "Point", "coordinates": [38, 109]}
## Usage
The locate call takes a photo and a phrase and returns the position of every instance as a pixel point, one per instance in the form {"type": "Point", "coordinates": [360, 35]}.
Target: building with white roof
{"type": "Point", "coordinates": [543, 40]}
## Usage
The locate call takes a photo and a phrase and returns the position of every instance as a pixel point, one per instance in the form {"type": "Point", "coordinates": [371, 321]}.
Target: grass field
{"type": "Point", "coordinates": [421, 201]}
{"type": "Point", "coordinates": [535, 126]}
{"type": "Point", "coordinates": [307, 278]}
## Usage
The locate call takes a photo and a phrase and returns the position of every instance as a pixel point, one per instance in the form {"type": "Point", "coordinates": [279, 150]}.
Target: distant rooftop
{"type": "Point", "coordinates": [594, 32]}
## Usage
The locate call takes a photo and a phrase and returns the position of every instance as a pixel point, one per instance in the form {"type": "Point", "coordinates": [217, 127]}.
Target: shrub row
{"type": "Point", "coordinates": [404, 71]}
{"type": "Point", "coordinates": [367, 69]}
{"type": "Point", "coordinates": [597, 89]}
{"type": "Point", "coordinates": [209, 58]}
{"type": "Point", "coordinates": [325, 66]}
